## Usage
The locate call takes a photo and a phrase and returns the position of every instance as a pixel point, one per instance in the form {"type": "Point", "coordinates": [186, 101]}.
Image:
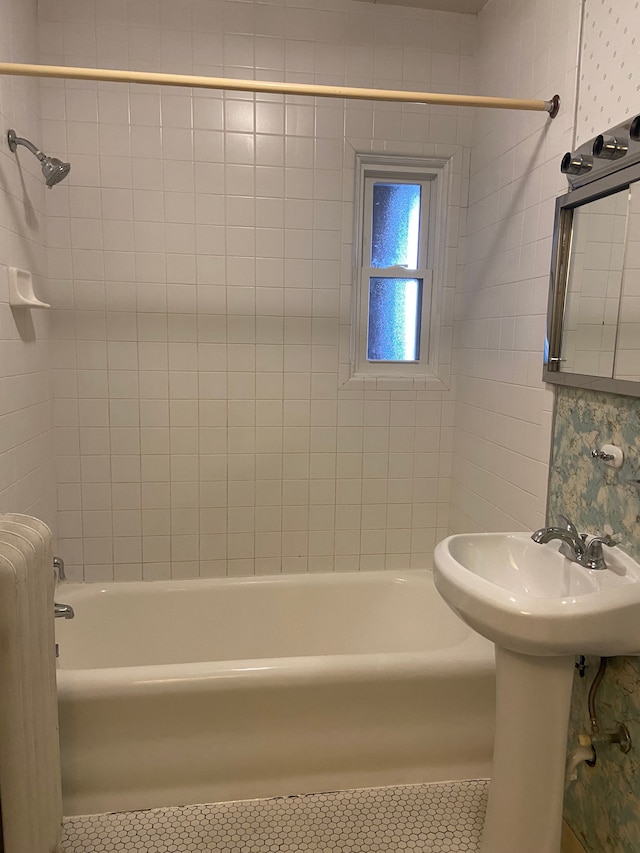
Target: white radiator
{"type": "Point", "coordinates": [30, 793]}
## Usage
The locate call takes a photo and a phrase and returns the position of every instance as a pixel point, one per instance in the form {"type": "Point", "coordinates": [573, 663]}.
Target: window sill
{"type": "Point", "coordinates": [390, 383]}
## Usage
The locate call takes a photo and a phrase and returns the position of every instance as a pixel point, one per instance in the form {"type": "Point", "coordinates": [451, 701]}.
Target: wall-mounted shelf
{"type": "Point", "coordinates": [21, 293]}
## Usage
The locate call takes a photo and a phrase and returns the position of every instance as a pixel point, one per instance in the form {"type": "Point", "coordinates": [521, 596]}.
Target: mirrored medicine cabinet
{"type": "Point", "coordinates": [593, 330]}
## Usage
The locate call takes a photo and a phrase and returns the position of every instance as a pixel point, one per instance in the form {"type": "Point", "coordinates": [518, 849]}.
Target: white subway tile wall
{"type": "Point", "coordinates": [503, 410]}
{"type": "Point", "coordinates": [27, 461]}
{"type": "Point", "coordinates": [200, 258]}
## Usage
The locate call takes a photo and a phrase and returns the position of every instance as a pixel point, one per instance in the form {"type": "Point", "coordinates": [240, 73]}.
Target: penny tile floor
{"type": "Point", "coordinates": [434, 818]}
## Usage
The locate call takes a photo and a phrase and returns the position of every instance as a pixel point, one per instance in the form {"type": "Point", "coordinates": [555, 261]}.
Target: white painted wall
{"type": "Point", "coordinates": [503, 410]}
{"type": "Point", "coordinates": [27, 473]}
{"type": "Point", "coordinates": [201, 254]}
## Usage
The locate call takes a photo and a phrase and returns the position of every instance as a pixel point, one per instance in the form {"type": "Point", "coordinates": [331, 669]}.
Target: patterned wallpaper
{"type": "Point", "coordinates": [603, 806]}
{"type": "Point", "coordinates": [609, 74]}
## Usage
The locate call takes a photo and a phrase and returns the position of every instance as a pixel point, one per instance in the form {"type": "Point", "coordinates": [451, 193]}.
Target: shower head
{"type": "Point", "coordinates": [54, 170]}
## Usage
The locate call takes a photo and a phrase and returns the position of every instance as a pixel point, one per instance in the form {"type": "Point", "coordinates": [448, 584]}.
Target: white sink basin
{"type": "Point", "coordinates": [540, 609]}
{"type": "Point", "coordinates": [531, 599]}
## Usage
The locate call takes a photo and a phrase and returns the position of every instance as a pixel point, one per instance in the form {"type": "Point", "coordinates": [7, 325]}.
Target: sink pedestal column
{"type": "Point", "coordinates": [533, 698]}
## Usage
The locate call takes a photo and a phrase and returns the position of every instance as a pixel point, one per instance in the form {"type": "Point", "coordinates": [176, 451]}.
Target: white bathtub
{"type": "Point", "coordinates": [177, 692]}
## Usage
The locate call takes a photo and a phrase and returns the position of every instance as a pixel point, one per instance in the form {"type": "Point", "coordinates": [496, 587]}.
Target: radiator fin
{"type": "Point", "coordinates": [30, 790]}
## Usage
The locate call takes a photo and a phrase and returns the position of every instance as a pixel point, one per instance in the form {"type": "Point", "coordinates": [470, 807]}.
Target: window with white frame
{"type": "Point", "coordinates": [401, 208]}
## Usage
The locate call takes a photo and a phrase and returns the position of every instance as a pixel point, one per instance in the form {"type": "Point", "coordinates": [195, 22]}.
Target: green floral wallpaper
{"type": "Point", "coordinates": [603, 806]}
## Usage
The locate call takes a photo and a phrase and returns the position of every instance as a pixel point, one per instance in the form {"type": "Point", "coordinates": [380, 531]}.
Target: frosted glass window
{"type": "Point", "coordinates": [395, 231]}
{"type": "Point", "coordinates": [395, 307]}
{"type": "Point", "coordinates": [398, 266]}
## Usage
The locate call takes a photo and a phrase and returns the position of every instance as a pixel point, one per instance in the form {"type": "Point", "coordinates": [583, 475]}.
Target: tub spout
{"type": "Point", "coordinates": [63, 611]}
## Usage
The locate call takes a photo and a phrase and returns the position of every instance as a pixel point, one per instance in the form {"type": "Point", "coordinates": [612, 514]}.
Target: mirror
{"type": "Point", "coordinates": [594, 285]}
{"type": "Point", "coordinates": [594, 305]}
{"type": "Point", "coordinates": [627, 363]}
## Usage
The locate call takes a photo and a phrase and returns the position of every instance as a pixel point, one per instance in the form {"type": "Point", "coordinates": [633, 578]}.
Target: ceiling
{"type": "Point", "coordinates": [469, 6]}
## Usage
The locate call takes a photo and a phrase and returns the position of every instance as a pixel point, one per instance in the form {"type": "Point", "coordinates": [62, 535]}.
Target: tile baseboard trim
{"type": "Point", "coordinates": [570, 843]}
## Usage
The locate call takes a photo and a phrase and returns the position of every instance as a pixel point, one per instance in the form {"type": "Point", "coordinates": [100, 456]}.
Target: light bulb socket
{"type": "Point", "coordinates": [576, 164]}
{"type": "Point", "coordinates": [608, 147]}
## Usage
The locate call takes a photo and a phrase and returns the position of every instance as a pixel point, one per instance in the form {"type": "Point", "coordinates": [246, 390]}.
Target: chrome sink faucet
{"type": "Point", "coordinates": [574, 545]}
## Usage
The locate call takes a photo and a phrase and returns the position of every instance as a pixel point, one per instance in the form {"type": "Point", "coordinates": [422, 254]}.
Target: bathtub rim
{"type": "Point", "coordinates": [472, 654]}
{"type": "Point", "coordinates": [376, 576]}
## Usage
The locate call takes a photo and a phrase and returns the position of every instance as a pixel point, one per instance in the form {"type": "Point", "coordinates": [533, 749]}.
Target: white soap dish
{"type": "Point", "coordinates": [21, 294]}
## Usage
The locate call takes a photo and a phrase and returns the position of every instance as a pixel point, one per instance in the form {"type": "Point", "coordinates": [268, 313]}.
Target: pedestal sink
{"type": "Point", "coordinates": [541, 610]}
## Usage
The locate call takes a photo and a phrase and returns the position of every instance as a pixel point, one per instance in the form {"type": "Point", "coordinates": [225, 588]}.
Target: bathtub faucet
{"type": "Point", "coordinates": [58, 570]}
{"type": "Point", "coordinates": [63, 611]}
{"type": "Point", "coordinates": [575, 545]}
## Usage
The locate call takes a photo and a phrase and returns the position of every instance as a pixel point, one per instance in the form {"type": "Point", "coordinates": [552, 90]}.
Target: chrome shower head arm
{"type": "Point", "coordinates": [54, 170]}
{"type": "Point", "coordinates": [14, 141]}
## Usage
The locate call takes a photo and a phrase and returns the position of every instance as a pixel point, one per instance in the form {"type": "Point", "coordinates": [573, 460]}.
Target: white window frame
{"type": "Point", "coordinates": [433, 175]}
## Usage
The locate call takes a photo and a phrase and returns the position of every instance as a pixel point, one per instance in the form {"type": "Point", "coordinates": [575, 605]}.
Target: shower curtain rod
{"type": "Point", "coordinates": [312, 90]}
